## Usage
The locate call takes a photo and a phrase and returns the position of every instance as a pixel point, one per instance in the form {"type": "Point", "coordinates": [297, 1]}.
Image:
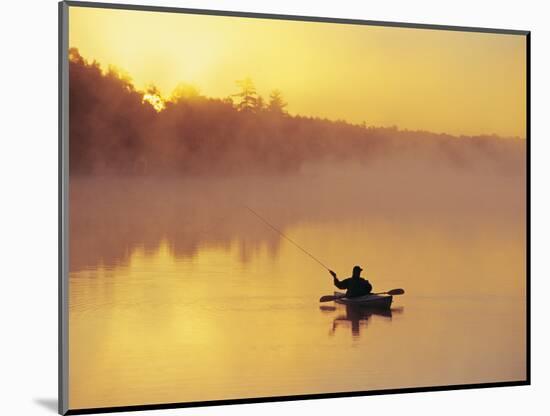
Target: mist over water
{"type": "Point", "coordinates": [178, 293]}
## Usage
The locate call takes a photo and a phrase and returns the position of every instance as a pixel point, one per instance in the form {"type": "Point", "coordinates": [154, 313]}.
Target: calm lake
{"type": "Point", "coordinates": [178, 293]}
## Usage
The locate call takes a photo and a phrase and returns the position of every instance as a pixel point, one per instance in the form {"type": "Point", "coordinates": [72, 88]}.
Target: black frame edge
{"type": "Point", "coordinates": [227, 13]}
{"type": "Point", "coordinates": [63, 306]}
{"type": "Point", "coordinates": [528, 204]}
{"type": "Point", "coordinates": [164, 406]}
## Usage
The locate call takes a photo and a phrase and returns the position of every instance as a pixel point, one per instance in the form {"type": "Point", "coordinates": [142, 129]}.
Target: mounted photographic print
{"type": "Point", "coordinates": [262, 208]}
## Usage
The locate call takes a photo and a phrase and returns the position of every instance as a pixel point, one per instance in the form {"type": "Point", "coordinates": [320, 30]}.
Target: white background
{"type": "Point", "coordinates": [28, 205]}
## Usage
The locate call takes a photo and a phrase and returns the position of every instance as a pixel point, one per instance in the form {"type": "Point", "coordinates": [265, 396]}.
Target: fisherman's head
{"type": "Point", "coordinates": [357, 271]}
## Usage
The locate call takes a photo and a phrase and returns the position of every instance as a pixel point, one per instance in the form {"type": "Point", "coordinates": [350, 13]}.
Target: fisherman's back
{"type": "Point", "coordinates": [355, 286]}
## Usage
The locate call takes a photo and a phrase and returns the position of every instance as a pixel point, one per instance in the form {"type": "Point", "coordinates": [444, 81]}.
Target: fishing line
{"type": "Point", "coordinates": [288, 238]}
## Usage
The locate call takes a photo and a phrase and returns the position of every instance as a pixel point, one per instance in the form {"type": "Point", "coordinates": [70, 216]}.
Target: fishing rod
{"type": "Point", "coordinates": [285, 236]}
{"type": "Point", "coordinates": [328, 298]}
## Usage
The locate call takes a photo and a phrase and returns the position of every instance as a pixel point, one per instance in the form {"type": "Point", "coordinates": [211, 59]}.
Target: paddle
{"type": "Point", "coordinates": [393, 292]}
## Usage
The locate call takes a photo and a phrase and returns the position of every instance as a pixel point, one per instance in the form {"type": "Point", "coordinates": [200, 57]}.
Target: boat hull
{"type": "Point", "coordinates": [371, 301]}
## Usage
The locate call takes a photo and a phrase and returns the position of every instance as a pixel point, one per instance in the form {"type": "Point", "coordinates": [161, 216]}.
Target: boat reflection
{"type": "Point", "coordinates": [357, 316]}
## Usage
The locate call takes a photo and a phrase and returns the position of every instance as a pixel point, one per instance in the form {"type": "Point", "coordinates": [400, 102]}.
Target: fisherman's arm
{"type": "Point", "coordinates": [337, 283]}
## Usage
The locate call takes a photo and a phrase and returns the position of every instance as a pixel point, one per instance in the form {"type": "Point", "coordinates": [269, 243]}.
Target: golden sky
{"type": "Point", "coordinates": [442, 81]}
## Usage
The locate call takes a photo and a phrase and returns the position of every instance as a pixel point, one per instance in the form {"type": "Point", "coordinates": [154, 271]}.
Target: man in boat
{"type": "Point", "coordinates": [354, 285]}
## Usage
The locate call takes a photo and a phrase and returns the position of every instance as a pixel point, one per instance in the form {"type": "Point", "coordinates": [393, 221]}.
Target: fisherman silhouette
{"type": "Point", "coordinates": [354, 285]}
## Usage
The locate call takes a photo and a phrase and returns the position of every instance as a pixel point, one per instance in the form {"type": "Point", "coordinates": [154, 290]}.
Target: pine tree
{"type": "Point", "coordinates": [247, 97]}
{"type": "Point", "coordinates": [276, 103]}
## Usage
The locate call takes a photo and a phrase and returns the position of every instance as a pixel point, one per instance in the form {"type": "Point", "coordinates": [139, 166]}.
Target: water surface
{"type": "Point", "coordinates": [178, 293]}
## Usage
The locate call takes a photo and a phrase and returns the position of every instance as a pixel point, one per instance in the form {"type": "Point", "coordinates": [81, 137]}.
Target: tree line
{"type": "Point", "coordinates": [115, 128]}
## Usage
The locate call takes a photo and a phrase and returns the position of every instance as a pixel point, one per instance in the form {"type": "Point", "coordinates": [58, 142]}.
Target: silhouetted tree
{"type": "Point", "coordinates": [109, 119]}
{"type": "Point", "coordinates": [276, 103]}
{"type": "Point", "coordinates": [114, 128]}
{"type": "Point", "coordinates": [247, 97]}
{"type": "Point", "coordinates": [75, 57]}
{"type": "Point", "coordinates": [260, 104]}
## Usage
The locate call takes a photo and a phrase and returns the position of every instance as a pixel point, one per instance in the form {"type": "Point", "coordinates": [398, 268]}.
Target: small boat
{"type": "Point", "coordinates": [371, 301]}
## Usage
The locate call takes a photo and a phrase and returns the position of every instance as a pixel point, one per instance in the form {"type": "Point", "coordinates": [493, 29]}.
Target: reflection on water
{"type": "Point", "coordinates": [178, 294]}
{"type": "Point", "coordinates": [357, 316]}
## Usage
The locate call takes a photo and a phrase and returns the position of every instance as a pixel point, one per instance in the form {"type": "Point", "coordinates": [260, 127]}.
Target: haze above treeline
{"type": "Point", "coordinates": [116, 129]}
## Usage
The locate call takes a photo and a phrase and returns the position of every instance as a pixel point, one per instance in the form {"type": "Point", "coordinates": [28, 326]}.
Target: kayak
{"type": "Point", "coordinates": [371, 301]}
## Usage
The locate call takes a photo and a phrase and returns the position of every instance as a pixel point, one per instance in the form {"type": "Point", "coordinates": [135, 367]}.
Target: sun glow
{"type": "Point", "coordinates": [439, 81]}
{"type": "Point", "coordinates": [155, 100]}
